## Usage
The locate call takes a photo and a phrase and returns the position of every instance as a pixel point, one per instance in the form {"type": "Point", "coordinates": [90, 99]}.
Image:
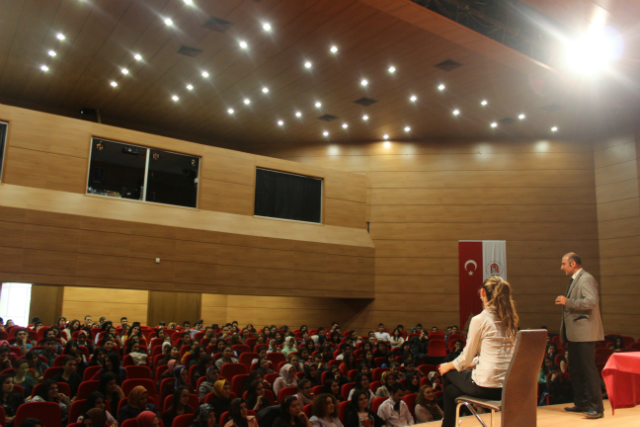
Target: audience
{"type": "Point", "coordinates": [96, 401]}
{"type": "Point", "coordinates": [359, 414]}
{"type": "Point", "coordinates": [393, 411]}
{"type": "Point", "coordinates": [206, 386]}
{"type": "Point", "coordinates": [287, 378]}
{"type": "Point", "coordinates": [179, 406]}
{"type": "Point", "coordinates": [69, 376]}
{"type": "Point", "coordinates": [137, 403]}
{"type": "Point", "coordinates": [222, 398]}
{"type": "Point", "coordinates": [558, 387]}
{"type": "Point", "coordinates": [427, 408]}
{"type": "Point", "coordinates": [8, 400]}
{"type": "Point", "coordinates": [239, 416]}
{"type": "Point", "coordinates": [291, 414]}
{"type": "Point", "coordinates": [256, 399]}
{"type": "Point", "coordinates": [24, 378]}
{"type": "Point", "coordinates": [110, 389]}
{"type": "Point", "coordinates": [305, 396]}
{"type": "Point", "coordinates": [325, 412]}
{"type": "Point", "coordinates": [362, 385]}
{"type": "Point", "coordinates": [48, 392]}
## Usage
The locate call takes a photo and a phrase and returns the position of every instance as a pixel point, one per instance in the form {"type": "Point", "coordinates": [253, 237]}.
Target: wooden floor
{"type": "Point", "coordinates": [556, 416]}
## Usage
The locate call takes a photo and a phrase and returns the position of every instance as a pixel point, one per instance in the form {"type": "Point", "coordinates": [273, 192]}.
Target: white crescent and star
{"type": "Point", "coordinates": [475, 266]}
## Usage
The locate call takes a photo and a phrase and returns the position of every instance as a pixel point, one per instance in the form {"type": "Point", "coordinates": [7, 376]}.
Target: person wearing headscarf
{"type": "Point", "coordinates": [273, 346]}
{"type": "Point", "coordinates": [289, 346]}
{"type": "Point", "coordinates": [181, 374]}
{"type": "Point", "coordinates": [206, 386]}
{"type": "Point", "coordinates": [287, 378]}
{"type": "Point", "coordinates": [96, 401]}
{"type": "Point", "coordinates": [148, 419]}
{"type": "Point", "coordinates": [136, 403]}
{"type": "Point", "coordinates": [205, 417]}
{"type": "Point", "coordinates": [97, 416]}
{"type": "Point", "coordinates": [222, 399]}
{"type": "Point", "coordinates": [238, 415]}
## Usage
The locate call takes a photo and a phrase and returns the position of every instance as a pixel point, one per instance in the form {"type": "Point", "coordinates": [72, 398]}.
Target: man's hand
{"type": "Point", "coordinates": [561, 300]}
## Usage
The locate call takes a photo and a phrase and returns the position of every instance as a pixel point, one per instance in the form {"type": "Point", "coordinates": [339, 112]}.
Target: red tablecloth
{"type": "Point", "coordinates": [621, 375]}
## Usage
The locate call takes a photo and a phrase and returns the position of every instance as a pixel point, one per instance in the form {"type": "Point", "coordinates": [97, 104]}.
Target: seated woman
{"type": "Point", "coordinates": [325, 412]}
{"type": "Point", "coordinates": [263, 367]}
{"type": "Point", "coordinates": [304, 356]}
{"type": "Point", "coordinates": [36, 364]}
{"type": "Point", "coordinates": [110, 389]}
{"type": "Point", "coordinates": [222, 399]}
{"type": "Point", "coordinates": [133, 349]}
{"type": "Point", "coordinates": [381, 350]}
{"type": "Point", "coordinates": [564, 362]}
{"type": "Point", "coordinates": [273, 346]}
{"type": "Point", "coordinates": [256, 399]}
{"type": "Point", "coordinates": [311, 374]}
{"type": "Point", "coordinates": [359, 413]}
{"type": "Point", "coordinates": [388, 380]}
{"type": "Point", "coordinates": [181, 374]}
{"type": "Point", "coordinates": [289, 346]}
{"type": "Point", "coordinates": [291, 414]}
{"type": "Point", "coordinates": [98, 357]}
{"type": "Point", "coordinates": [287, 378]}
{"type": "Point", "coordinates": [112, 364]}
{"type": "Point", "coordinates": [427, 408]}
{"type": "Point", "coordinates": [9, 400]}
{"type": "Point", "coordinates": [367, 359]}
{"type": "Point", "coordinates": [492, 334]}
{"type": "Point", "coordinates": [171, 352]}
{"type": "Point", "coordinates": [137, 402]}
{"type": "Point", "coordinates": [48, 392]}
{"type": "Point", "coordinates": [227, 357]}
{"type": "Point", "coordinates": [332, 387]}
{"type": "Point", "coordinates": [239, 416]}
{"type": "Point", "coordinates": [205, 416]}
{"type": "Point", "coordinates": [618, 345]}
{"type": "Point", "coordinates": [24, 378]}
{"type": "Point", "coordinates": [179, 406]}
{"type": "Point", "coordinates": [294, 360]}
{"type": "Point", "coordinates": [206, 386]}
{"type": "Point", "coordinates": [256, 375]}
{"type": "Point", "coordinates": [362, 385]}
{"type": "Point", "coordinates": [194, 352]}
{"type": "Point", "coordinates": [96, 401]}
{"type": "Point", "coordinates": [336, 374]}
{"type": "Point", "coordinates": [412, 383]}
{"type": "Point", "coordinates": [262, 354]}
{"type": "Point", "coordinates": [436, 381]}
{"type": "Point", "coordinates": [74, 326]}
{"type": "Point", "coordinates": [305, 397]}
{"type": "Point", "coordinates": [547, 364]}
{"type": "Point", "coordinates": [396, 339]}
{"type": "Point", "coordinates": [349, 363]}
{"type": "Point", "coordinates": [148, 419]}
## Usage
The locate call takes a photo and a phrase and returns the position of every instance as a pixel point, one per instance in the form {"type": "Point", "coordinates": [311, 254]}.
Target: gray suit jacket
{"type": "Point", "coordinates": [581, 319]}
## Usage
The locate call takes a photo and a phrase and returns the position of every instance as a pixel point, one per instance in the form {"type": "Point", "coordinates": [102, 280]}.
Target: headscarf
{"type": "Point", "coordinates": [176, 373]}
{"type": "Point", "coordinates": [97, 416]}
{"type": "Point", "coordinates": [273, 345]}
{"type": "Point", "coordinates": [164, 346]}
{"type": "Point", "coordinates": [290, 342]}
{"type": "Point", "coordinates": [235, 413]}
{"type": "Point", "coordinates": [171, 366]}
{"type": "Point", "coordinates": [218, 387]}
{"type": "Point", "coordinates": [145, 418]}
{"type": "Point", "coordinates": [202, 415]}
{"type": "Point", "coordinates": [287, 379]}
{"type": "Point", "coordinates": [135, 395]}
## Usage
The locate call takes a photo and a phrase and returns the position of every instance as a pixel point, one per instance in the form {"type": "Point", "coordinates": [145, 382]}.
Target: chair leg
{"type": "Point", "coordinates": [493, 413]}
{"type": "Point", "coordinates": [473, 411]}
{"type": "Point", "coordinates": [458, 412]}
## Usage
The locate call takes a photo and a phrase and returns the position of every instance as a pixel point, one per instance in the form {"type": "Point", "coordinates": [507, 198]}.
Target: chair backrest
{"type": "Point", "coordinates": [76, 410]}
{"type": "Point", "coordinates": [128, 385]}
{"type": "Point", "coordinates": [230, 370]}
{"type": "Point", "coordinates": [86, 388]}
{"type": "Point", "coordinates": [410, 400]}
{"type": "Point", "coordinates": [374, 385]}
{"type": "Point", "coordinates": [519, 394]}
{"type": "Point", "coordinates": [238, 382]}
{"type": "Point", "coordinates": [376, 403]}
{"type": "Point", "coordinates": [140, 371]}
{"type": "Point", "coordinates": [342, 410]}
{"type": "Point", "coordinates": [276, 358]}
{"type": "Point", "coordinates": [51, 372]}
{"type": "Point", "coordinates": [47, 412]}
{"type": "Point", "coordinates": [286, 391]}
{"type": "Point", "coordinates": [90, 371]}
{"type": "Point", "coordinates": [307, 410]}
{"type": "Point", "coordinates": [345, 389]}
{"type": "Point", "coordinates": [59, 360]}
{"type": "Point", "coordinates": [437, 348]}
{"type": "Point", "coordinates": [271, 378]}
{"type": "Point", "coordinates": [182, 420]}
{"type": "Point", "coordinates": [130, 423]}
{"type": "Point", "coordinates": [317, 390]}
{"type": "Point", "coordinates": [376, 375]}
{"type": "Point", "coordinates": [246, 358]}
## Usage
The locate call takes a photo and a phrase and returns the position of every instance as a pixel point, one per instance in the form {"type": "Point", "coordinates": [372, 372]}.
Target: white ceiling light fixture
{"type": "Point", "coordinates": [308, 64]}
{"type": "Point", "coordinates": [385, 136]}
{"type": "Point", "coordinates": [494, 124]}
{"type": "Point", "coordinates": [189, 87]}
{"type": "Point", "coordinates": [521, 116]}
{"type": "Point", "coordinates": [595, 50]}
{"type": "Point", "coordinates": [413, 98]}
{"type": "Point", "coordinates": [230, 111]}
{"type": "Point", "coordinates": [60, 36]}
{"type": "Point", "coordinates": [334, 49]}
{"type": "Point", "coordinates": [189, 2]}
{"type": "Point", "coordinates": [325, 133]}
{"type": "Point", "coordinates": [456, 112]}
{"type": "Point", "coordinates": [52, 53]}
{"type": "Point", "coordinates": [554, 129]}
{"type": "Point", "coordinates": [175, 98]}
{"type": "Point", "coordinates": [392, 69]}
{"type": "Point", "coordinates": [243, 44]}
{"type": "Point", "coordinates": [298, 114]}
{"type": "Point", "coordinates": [484, 102]}
{"type": "Point", "coordinates": [365, 117]}
{"type": "Point", "coordinates": [205, 74]}
{"type": "Point", "coordinates": [137, 57]}
{"type": "Point", "coordinates": [441, 87]}
{"type": "Point", "coordinates": [318, 104]}
{"type": "Point", "coordinates": [387, 144]}
{"type": "Point", "coordinates": [44, 68]}
{"type": "Point", "coordinates": [407, 129]}
{"type": "Point", "coordinates": [364, 82]}
{"type": "Point", "coordinates": [124, 71]}
{"type": "Point", "coordinates": [114, 84]}
{"type": "Point", "coordinates": [267, 27]}
{"type": "Point", "coordinates": [247, 101]}
{"type": "Point", "coordinates": [168, 22]}
{"type": "Point", "coordinates": [344, 126]}
{"type": "Point", "coordinates": [265, 90]}
{"type": "Point", "coordinates": [280, 123]}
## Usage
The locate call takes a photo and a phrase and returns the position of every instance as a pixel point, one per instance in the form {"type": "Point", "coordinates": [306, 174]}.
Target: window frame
{"type": "Point", "coordinates": [3, 152]}
{"type": "Point", "coordinates": [146, 173]}
{"type": "Point", "coordinates": [321, 179]}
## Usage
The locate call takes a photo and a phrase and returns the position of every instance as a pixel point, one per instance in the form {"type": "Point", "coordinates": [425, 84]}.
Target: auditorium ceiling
{"type": "Point", "coordinates": [242, 72]}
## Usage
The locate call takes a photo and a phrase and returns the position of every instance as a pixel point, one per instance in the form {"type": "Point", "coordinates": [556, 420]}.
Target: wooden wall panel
{"type": "Point", "coordinates": [113, 304]}
{"type": "Point", "coordinates": [46, 303]}
{"type": "Point", "coordinates": [173, 307]}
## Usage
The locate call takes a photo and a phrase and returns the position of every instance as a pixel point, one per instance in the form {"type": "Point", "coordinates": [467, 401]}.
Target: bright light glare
{"type": "Point", "coordinates": [44, 68]}
{"type": "Point", "coordinates": [441, 87]}
{"type": "Point", "coordinates": [243, 44]}
{"type": "Point", "coordinates": [205, 74]}
{"type": "Point", "coordinates": [413, 98]}
{"type": "Point", "coordinates": [392, 69]}
{"type": "Point", "coordinates": [175, 98]}
{"type": "Point", "coordinates": [365, 117]}
{"type": "Point", "coordinates": [484, 103]}
{"type": "Point", "coordinates": [456, 112]}
{"type": "Point", "coordinates": [385, 136]}
{"type": "Point", "coordinates": [189, 87]}
{"type": "Point", "coordinates": [247, 101]}
{"type": "Point", "coordinates": [364, 82]}
{"type": "Point", "coordinates": [344, 126]}
{"type": "Point", "coordinates": [137, 57]}
{"type": "Point", "coordinates": [325, 133]}
{"type": "Point", "coordinates": [387, 144]}
{"type": "Point", "coordinates": [298, 114]}
{"type": "Point", "coordinates": [114, 84]}
{"type": "Point", "coordinates": [168, 21]}
{"type": "Point", "coordinates": [266, 26]}
{"type": "Point", "coordinates": [60, 36]}
{"type": "Point", "coordinates": [124, 71]}
{"type": "Point", "coordinates": [230, 111]}
{"type": "Point", "coordinates": [521, 116]}
{"type": "Point", "coordinates": [554, 129]}
{"type": "Point", "coordinates": [594, 51]}
{"type": "Point", "coordinates": [52, 53]}
{"type": "Point", "coordinates": [189, 2]}
{"type": "Point", "coordinates": [334, 49]}
{"type": "Point", "coordinates": [494, 125]}
{"type": "Point", "coordinates": [280, 123]}
{"type": "Point", "coordinates": [307, 64]}
{"type": "Point", "coordinates": [318, 104]}
{"type": "Point", "coordinates": [407, 129]}
{"type": "Point", "coordinates": [265, 90]}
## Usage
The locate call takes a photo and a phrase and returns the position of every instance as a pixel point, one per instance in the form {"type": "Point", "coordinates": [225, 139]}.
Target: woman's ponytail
{"type": "Point", "coordinates": [499, 298]}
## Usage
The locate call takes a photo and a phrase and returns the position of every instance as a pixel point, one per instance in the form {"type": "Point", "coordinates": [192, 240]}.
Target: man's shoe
{"type": "Point", "coordinates": [574, 409]}
{"type": "Point", "coordinates": [594, 415]}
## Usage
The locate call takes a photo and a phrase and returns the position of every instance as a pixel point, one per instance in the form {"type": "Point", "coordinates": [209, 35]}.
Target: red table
{"type": "Point", "coordinates": [621, 375]}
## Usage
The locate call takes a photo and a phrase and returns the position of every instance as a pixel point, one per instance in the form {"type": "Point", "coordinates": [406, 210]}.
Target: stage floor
{"type": "Point", "coordinates": [556, 416]}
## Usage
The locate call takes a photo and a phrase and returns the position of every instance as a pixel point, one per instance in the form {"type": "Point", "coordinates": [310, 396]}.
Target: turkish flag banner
{"type": "Point", "coordinates": [470, 272]}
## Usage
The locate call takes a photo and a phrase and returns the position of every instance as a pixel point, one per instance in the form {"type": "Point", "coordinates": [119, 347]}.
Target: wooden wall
{"type": "Point", "coordinates": [618, 197]}
{"type": "Point", "coordinates": [113, 304]}
{"type": "Point", "coordinates": [423, 197]}
{"type": "Point", "coordinates": [173, 307]}
{"type": "Point", "coordinates": [46, 303]}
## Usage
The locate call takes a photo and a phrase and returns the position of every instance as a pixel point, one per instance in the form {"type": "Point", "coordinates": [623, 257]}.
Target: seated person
{"type": "Point", "coordinates": [227, 357]}
{"type": "Point", "coordinates": [9, 400]}
{"type": "Point", "coordinates": [22, 340]}
{"type": "Point", "coordinates": [137, 402]}
{"type": "Point", "coordinates": [239, 416]}
{"type": "Point", "coordinates": [68, 375]}
{"type": "Point", "coordinates": [24, 378]}
{"type": "Point", "coordinates": [325, 412]}
{"type": "Point", "coordinates": [49, 351]}
{"type": "Point", "coordinates": [393, 411]}
{"type": "Point", "coordinates": [359, 414]}
{"type": "Point", "coordinates": [427, 408]}
{"type": "Point", "coordinates": [291, 414]}
{"type": "Point", "coordinates": [179, 406]}
{"type": "Point", "coordinates": [558, 387]}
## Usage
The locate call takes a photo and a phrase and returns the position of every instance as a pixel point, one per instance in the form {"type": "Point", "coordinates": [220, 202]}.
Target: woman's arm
{"type": "Point", "coordinates": [474, 339]}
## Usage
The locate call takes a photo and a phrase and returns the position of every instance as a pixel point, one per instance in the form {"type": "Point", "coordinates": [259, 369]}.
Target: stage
{"type": "Point", "coordinates": [556, 416]}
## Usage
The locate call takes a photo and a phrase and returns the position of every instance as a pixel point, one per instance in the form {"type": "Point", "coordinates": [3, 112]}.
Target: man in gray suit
{"type": "Point", "coordinates": [581, 327]}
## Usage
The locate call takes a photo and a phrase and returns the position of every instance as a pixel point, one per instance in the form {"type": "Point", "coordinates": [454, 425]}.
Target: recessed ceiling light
{"type": "Point", "coordinates": [298, 114]}
{"type": "Point", "coordinates": [456, 112]}
{"type": "Point", "coordinates": [392, 69]}
{"type": "Point", "coordinates": [124, 71]}
{"type": "Point", "coordinates": [230, 111]}
{"type": "Point", "coordinates": [387, 144]}
{"type": "Point", "coordinates": [440, 86]}
{"type": "Point", "coordinates": [325, 133]}
{"type": "Point", "coordinates": [52, 53]}
{"type": "Point", "coordinates": [189, 87]}
{"type": "Point", "coordinates": [385, 136]}
{"type": "Point", "coordinates": [189, 2]}
{"type": "Point", "coordinates": [205, 74]}
{"type": "Point", "coordinates": [483, 102]}
{"type": "Point", "coordinates": [407, 129]}
{"type": "Point", "coordinates": [243, 44]}
{"type": "Point", "coordinates": [364, 82]}
{"type": "Point", "coordinates": [265, 90]}
{"type": "Point", "coordinates": [266, 26]}
{"type": "Point", "coordinates": [137, 57]}
{"type": "Point", "coordinates": [175, 98]}
{"type": "Point", "coordinates": [44, 68]}
{"type": "Point", "coordinates": [307, 64]}
{"type": "Point", "coordinates": [280, 123]}
{"type": "Point", "coordinates": [247, 101]}
{"type": "Point", "coordinates": [334, 49]}
{"type": "Point", "coordinates": [554, 129]}
{"type": "Point", "coordinates": [494, 124]}
{"type": "Point", "coordinates": [521, 116]}
{"type": "Point", "coordinates": [365, 117]}
{"type": "Point", "coordinates": [168, 21]}
{"type": "Point", "coordinates": [60, 36]}
{"type": "Point", "coordinates": [344, 126]}
{"type": "Point", "coordinates": [318, 104]}
{"type": "Point", "coordinates": [114, 84]}
{"type": "Point", "coordinates": [413, 98]}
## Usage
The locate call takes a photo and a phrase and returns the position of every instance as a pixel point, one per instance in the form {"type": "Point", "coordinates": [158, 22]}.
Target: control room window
{"type": "Point", "coordinates": [288, 196]}
{"type": "Point", "coordinates": [130, 171]}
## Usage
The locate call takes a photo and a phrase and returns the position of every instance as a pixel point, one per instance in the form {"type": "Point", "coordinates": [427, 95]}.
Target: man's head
{"type": "Point", "coordinates": [380, 327]}
{"type": "Point", "coordinates": [69, 365]}
{"type": "Point", "coordinates": [49, 345]}
{"type": "Point", "coordinates": [396, 392]}
{"type": "Point", "coordinates": [123, 321]}
{"type": "Point", "coordinates": [198, 325]}
{"type": "Point", "coordinates": [186, 338]}
{"type": "Point", "coordinates": [434, 329]}
{"type": "Point", "coordinates": [555, 369]}
{"type": "Point", "coordinates": [22, 335]}
{"type": "Point", "coordinates": [448, 329]}
{"type": "Point", "coordinates": [87, 321]}
{"type": "Point", "coordinates": [102, 320]}
{"type": "Point", "coordinates": [571, 263]}
{"type": "Point", "coordinates": [454, 329]}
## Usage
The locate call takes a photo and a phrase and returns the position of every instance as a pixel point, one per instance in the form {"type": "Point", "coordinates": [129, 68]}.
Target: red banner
{"type": "Point", "coordinates": [470, 269]}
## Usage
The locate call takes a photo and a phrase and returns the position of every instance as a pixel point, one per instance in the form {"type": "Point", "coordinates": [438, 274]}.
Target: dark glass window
{"type": "Point", "coordinates": [288, 196]}
{"type": "Point", "coordinates": [172, 179]}
{"type": "Point", "coordinates": [140, 173]}
{"type": "Point", "coordinates": [3, 139]}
